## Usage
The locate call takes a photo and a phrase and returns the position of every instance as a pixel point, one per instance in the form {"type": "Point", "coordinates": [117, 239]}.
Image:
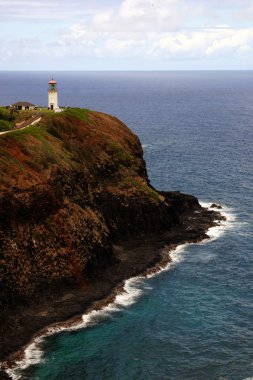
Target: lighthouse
{"type": "Point", "coordinates": [53, 95]}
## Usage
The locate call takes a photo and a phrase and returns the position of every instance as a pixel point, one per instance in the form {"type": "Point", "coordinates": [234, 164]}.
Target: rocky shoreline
{"type": "Point", "coordinates": [138, 255]}
{"type": "Point", "coordinates": [78, 217]}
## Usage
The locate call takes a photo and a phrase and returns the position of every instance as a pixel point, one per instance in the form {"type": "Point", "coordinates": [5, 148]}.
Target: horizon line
{"type": "Point", "coordinates": [137, 70]}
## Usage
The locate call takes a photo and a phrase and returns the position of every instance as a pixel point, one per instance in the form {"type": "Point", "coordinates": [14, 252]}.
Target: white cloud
{"type": "Point", "coordinates": [189, 44]}
{"type": "Point", "coordinates": [204, 43]}
{"type": "Point", "coordinates": [54, 10]}
{"type": "Point", "coordinates": [24, 3]}
{"type": "Point", "coordinates": [158, 12]}
{"type": "Point", "coordinates": [140, 29]}
{"type": "Point", "coordinates": [78, 32]}
{"type": "Point", "coordinates": [126, 46]}
{"type": "Point", "coordinates": [134, 8]}
{"type": "Point", "coordinates": [103, 18]}
{"type": "Point", "coordinates": [5, 52]}
{"type": "Point", "coordinates": [231, 42]}
{"type": "Point", "coordinates": [139, 15]}
{"type": "Point", "coordinates": [155, 28]}
{"type": "Point", "coordinates": [245, 14]}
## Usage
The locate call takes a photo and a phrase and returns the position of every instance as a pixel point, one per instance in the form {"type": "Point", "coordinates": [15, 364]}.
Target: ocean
{"type": "Point", "coordinates": [194, 320]}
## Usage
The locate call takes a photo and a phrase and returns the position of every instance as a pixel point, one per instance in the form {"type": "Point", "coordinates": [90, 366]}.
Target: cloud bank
{"type": "Point", "coordinates": [152, 32]}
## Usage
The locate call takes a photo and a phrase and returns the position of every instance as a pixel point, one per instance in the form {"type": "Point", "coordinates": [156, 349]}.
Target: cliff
{"type": "Point", "coordinates": [67, 188]}
{"type": "Point", "coordinates": [72, 188]}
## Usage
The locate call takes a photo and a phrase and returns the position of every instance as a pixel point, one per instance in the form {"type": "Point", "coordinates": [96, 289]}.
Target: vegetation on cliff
{"type": "Point", "coordinates": [6, 119]}
{"type": "Point", "coordinates": [69, 186]}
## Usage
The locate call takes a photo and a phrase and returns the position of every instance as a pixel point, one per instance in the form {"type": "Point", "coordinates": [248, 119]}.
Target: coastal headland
{"type": "Point", "coordinates": [78, 216]}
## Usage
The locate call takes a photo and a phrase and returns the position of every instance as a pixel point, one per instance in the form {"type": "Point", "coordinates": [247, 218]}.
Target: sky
{"type": "Point", "coordinates": [126, 35]}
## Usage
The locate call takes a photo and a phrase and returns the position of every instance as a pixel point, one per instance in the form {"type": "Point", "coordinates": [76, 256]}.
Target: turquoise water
{"type": "Point", "coordinates": [194, 320]}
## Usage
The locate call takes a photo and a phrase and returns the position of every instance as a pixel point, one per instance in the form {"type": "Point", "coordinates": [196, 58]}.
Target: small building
{"type": "Point", "coordinates": [23, 106]}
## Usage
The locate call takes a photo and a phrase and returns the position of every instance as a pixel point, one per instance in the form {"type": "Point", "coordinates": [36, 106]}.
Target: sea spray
{"type": "Point", "coordinates": [222, 225]}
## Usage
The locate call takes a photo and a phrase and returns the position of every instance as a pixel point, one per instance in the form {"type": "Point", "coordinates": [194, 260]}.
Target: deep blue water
{"type": "Point", "coordinates": [195, 320]}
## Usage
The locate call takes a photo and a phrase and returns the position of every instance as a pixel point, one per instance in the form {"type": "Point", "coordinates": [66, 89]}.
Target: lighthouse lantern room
{"type": "Point", "coordinates": [52, 95]}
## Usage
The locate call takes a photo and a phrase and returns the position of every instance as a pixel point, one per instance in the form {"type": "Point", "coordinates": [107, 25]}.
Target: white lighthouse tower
{"type": "Point", "coordinates": [53, 95]}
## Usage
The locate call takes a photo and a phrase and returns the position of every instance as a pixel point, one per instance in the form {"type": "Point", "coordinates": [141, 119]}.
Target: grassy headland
{"type": "Point", "coordinates": [78, 215]}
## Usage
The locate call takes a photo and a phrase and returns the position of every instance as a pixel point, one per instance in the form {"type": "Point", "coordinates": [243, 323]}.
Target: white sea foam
{"type": "Point", "coordinates": [33, 354]}
{"type": "Point", "coordinates": [223, 225]}
{"type": "Point", "coordinates": [132, 291]}
{"type": "Point", "coordinates": [178, 254]}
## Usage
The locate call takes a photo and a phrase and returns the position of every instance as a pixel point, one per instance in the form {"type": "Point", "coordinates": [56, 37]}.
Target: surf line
{"type": "Point", "coordinates": [123, 296]}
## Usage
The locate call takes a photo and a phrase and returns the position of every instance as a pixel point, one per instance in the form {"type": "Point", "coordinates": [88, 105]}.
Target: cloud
{"type": "Point", "coordinates": [145, 30]}
{"type": "Point", "coordinates": [143, 16]}
{"type": "Point", "coordinates": [245, 14]}
{"type": "Point", "coordinates": [54, 10]}
{"type": "Point", "coordinates": [156, 12]}
{"type": "Point", "coordinates": [209, 43]}
{"type": "Point", "coordinates": [231, 42]}
{"type": "Point", "coordinates": [118, 46]}
{"type": "Point", "coordinates": [5, 52]}
{"type": "Point", "coordinates": [160, 28]}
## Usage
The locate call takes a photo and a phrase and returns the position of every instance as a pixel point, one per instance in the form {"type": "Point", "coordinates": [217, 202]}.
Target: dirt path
{"type": "Point", "coordinates": [33, 120]}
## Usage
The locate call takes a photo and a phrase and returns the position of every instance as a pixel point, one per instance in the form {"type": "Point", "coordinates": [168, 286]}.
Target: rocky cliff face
{"type": "Point", "coordinates": [69, 187]}
{"type": "Point", "coordinates": [78, 216]}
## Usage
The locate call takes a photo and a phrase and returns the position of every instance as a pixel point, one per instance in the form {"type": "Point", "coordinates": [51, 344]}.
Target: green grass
{"type": "Point", "coordinates": [45, 110]}
{"type": "Point", "coordinates": [5, 114]}
{"type": "Point", "coordinates": [33, 130]}
{"type": "Point", "coordinates": [6, 119]}
{"type": "Point", "coordinates": [152, 193]}
{"type": "Point", "coordinates": [117, 151]}
{"type": "Point", "coordinates": [39, 134]}
{"type": "Point", "coordinates": [79, 113]}
{"type": "Point", "coordinates": [5, 125]}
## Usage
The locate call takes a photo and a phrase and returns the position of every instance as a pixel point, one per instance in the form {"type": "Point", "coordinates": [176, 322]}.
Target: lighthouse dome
{"type": "Point", "coordinates": [52, 81]}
